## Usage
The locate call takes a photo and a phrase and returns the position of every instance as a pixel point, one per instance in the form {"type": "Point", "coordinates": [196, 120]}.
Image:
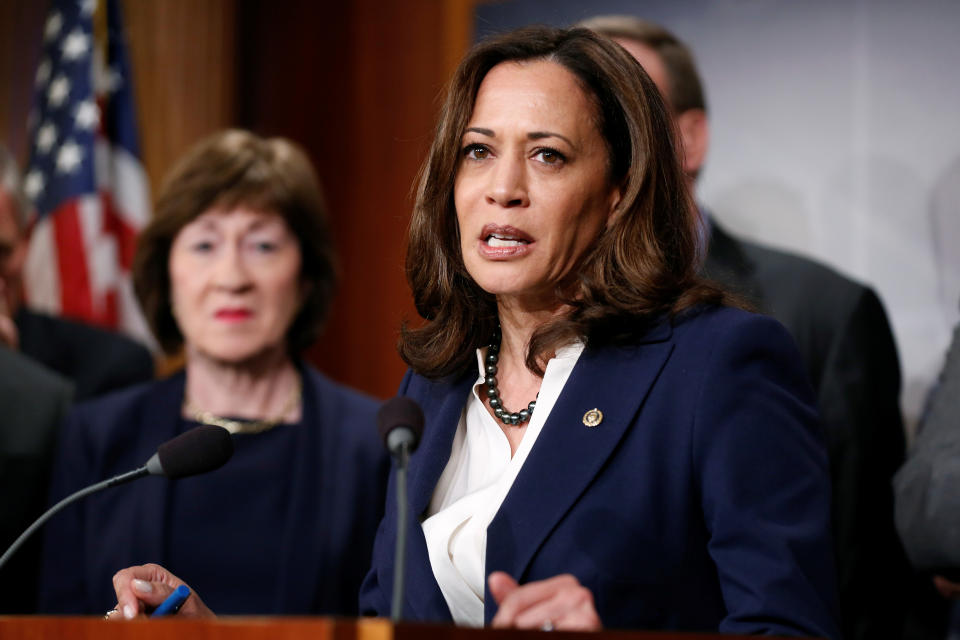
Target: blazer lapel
{"type": "Point", "coordinates": [160, 422]}
{"type": "Point", "coordinates": [430, 459]}
{"type": "Point", "coordinates": [568, 454]}
{"type": "Point", "coordinates": [423, 599]}
{"type": "Point", "coordinates": [301, 532]}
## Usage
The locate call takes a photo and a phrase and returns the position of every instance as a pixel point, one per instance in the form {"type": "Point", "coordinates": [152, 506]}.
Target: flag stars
{"type": "Point", "coordinates": [107, 79]}
{"type": "Point", "coordinates": [46, 137]}
{"type": "Point", "coordinates": [43, 73]}
{"type": "Point", "coordinates": [87, 115]}
{"type": "Point", "coordinates": [58, 91]}
{"type": "Point", "coordinates": [33, 184]}
{"type": "Point", "coordinates": [88, 7]}
{"type": "Point", "coordinates": [69, 157]}
{"type": "Point", "coordinates": [52, 29]}
{"type": "Point", "coordinates": [76, 45]}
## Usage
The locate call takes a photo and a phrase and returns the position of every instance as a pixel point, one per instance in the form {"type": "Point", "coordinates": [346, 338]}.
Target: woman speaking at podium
{"type": "Point", "coordinates": [607, 442]}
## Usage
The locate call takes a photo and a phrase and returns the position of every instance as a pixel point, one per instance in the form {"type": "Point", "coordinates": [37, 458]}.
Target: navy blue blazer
{"type": "Point", "coordinates": [338, 478]}
{"type": "Point", "coordinates": [700, 502]}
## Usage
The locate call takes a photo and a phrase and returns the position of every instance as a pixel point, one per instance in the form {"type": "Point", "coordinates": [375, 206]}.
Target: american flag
{"type": "Point", "coordinates": [85, 177]}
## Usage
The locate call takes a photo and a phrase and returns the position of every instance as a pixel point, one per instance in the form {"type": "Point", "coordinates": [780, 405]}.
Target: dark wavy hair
{"type": "Point", "coordinates": [642, 267]}
{"type": "Point", "coordinates": [229, 169]}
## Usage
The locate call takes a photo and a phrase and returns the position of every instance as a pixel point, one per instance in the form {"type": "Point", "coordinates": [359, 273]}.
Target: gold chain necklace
{"type": "Point", "coordinates": [245, 426]}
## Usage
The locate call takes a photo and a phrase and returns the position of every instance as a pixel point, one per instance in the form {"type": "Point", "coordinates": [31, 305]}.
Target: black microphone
{"type": "Point", "coordinates": [199, 450]}
{"type": "Point", "coordinates": [400, 422]}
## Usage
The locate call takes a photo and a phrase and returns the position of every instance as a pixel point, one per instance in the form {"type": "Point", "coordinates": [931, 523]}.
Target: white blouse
{"type": "Point", "coordinates": [473, 485]}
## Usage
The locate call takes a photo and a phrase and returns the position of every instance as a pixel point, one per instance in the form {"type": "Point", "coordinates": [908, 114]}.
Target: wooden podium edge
{"type": "Point", "coordinates": [296, 628]}
{"type": "Point", "coordinates": [374, 629]}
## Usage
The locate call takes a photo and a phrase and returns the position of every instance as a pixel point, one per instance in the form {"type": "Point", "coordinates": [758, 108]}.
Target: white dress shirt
{"type": "Point", "coordinates": [473, 485]}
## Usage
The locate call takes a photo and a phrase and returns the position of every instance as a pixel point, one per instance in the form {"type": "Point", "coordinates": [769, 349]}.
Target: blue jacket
{"type": "Point", "coordinates": [700, 502]}
{"type": "Point", "coordinates": [337, 478]}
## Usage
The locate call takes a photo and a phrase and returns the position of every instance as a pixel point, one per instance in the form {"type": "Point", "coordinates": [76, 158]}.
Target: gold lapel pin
{"type": "Point", "coordinates": [593, 417]}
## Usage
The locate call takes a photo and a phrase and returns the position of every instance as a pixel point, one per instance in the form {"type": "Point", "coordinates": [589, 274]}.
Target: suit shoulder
{"type": "Point", "coordinates": [707, 324]}
{"type": "Point", "coordinates": [122, 346]}
{"type": "Point", "coordinates": [96, 360]}
{"type": "Point", "coordinates": [349, 413]}
{"type": "Point", "coordinates": [64, 328]}
{"type": "Point", "coordinates": [727, 345]}
{"type": "Point", "coordinates": [427, 391]}
{"type": "Point", "coordinates": [788, 268]}
{"type": "Point", "coordinates": [337, 395]}
{"type": "Point", "coordinates": [119, 406]}
{"type": "Point", "coordinates": [811, 297]}
{"type": "Point", "coordinates": [33, 402]}
{"type": "Point", "coordinates": [24, 374]}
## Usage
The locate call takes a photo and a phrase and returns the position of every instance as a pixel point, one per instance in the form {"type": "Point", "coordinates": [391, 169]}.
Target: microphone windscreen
{"type": "Point", "coordinates": [199, 450]}
{"type": "Point", "coordinates": [400, 412]}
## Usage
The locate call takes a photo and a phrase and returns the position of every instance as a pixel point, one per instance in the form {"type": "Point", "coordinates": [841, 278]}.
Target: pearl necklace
{"type": "Point", "coordinates": [493, 393]}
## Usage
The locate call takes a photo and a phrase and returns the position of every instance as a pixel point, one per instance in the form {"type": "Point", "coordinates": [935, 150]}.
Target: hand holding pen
{"type": "Point", "coordinates": [151, 589]}
{"type": "Point", "coordinates": [172, 604]}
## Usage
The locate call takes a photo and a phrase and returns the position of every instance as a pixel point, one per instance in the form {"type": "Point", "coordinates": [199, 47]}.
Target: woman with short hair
{"type": "Point", "coordinates": [236, 268]}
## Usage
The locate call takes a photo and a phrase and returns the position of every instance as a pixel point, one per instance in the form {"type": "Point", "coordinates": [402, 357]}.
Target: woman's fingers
{"type": "Point", "coordinates": [141, 589]}
{"type": "Point", "coordinates": [501, 585]}
{"type": "Point", "coordinates": [560, 602]}
{"type": "Point", "coordinates": [567, 609]}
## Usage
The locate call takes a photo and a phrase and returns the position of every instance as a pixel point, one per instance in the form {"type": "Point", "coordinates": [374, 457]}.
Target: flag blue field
{"type": "Point", "coordinates": [85, 177]}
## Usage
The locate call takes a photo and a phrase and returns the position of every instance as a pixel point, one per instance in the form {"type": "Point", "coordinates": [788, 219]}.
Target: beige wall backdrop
{"type": "Point", "coordinates": [356, 83]}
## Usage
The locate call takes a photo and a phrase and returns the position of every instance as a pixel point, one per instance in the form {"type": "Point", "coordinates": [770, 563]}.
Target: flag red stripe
{"type": "Point", "coordinates": [110, 315]}
{"type": "Point", "coordinates": [75, 292]}
{"type": "Point", "coordinates": [115, 225]}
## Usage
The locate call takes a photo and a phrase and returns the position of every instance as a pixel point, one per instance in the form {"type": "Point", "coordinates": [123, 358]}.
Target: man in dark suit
{"type": "Point", "coordinates": [96, 361]}
{"type": "Point", "coordinates": [845, 340]}
{"type": "Point", "coordinates": [33, 403]}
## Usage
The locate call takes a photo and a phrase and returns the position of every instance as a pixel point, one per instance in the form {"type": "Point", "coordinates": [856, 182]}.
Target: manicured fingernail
{"type": "Point", "coordinates": [129, 612]}
{"type": "Point", "coordinates": [143, 586]}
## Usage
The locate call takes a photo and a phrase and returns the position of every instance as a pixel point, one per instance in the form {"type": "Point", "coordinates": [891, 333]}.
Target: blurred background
{"type": "Point", "coordinates": [834, 130]}
{"type": "Point", "coordinates": [355, 83]}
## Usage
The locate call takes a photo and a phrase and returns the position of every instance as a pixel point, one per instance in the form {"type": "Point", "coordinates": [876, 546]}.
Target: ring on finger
{"type": "Point", "coordinates": [107, 615]}
{"type": "Point", "coordinates": [547, 625]}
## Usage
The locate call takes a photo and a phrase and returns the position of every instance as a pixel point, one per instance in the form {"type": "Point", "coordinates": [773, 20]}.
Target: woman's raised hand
{"type": "Point", "coordinates": [141, 589]}
{"type": "Point", "coordinates": [560, 602]}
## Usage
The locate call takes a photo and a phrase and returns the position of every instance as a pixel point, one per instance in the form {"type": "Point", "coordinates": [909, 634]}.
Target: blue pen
{"type": "Point", "coordinates": [173, 602]}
